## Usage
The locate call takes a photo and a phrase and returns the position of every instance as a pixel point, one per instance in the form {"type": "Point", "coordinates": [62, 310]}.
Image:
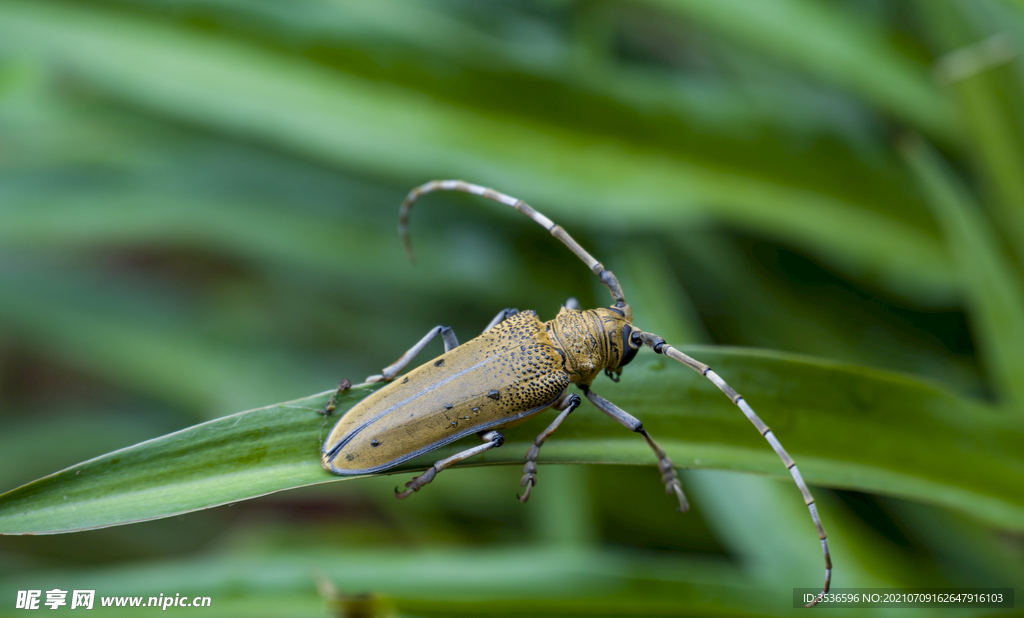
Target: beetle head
{"type": "Point", "coordinates": [617, 321]}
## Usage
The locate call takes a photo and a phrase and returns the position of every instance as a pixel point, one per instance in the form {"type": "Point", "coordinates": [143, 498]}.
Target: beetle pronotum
{"type": "Point", "coordinates": [518, 367]}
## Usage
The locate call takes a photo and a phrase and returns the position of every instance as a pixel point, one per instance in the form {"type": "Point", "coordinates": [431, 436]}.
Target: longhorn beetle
{"type": "Point", "coordinates": [518, 367]}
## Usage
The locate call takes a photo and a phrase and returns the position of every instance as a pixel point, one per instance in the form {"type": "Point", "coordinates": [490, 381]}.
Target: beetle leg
{"type": "Point", "coordinates": [668, 471]}
{"type": "Point", "coordinates": [503, 315]}
{"type": "Point", "coordinates": [573, 304]}
{"type": "Point", "coordinates": [395, 368]}
{"type": "Point", "coordinates": [659, 345]}
{"type": "Point", "coordinates": [567, 405]}
{"type": "Point", "coordinates": [494, 439]}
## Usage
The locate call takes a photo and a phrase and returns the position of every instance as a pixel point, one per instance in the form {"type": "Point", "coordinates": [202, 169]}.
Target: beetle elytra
{"type": "Point", "coordinates": [518, 367]}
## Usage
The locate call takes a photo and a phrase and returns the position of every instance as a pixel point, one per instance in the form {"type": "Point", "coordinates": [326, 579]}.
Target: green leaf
{"type": "Point", "coordinates": [846, 426]}
{"type": "Point", "coordinates": [830, 45]}
{"type": "Point", "coordinates": [981, 43]}
{"type": "Point", "coordinates": [392, 130]}
{"type": "Point", "coordinates": [120, 334]}
{"type": "Point", "coordinates": [460, 581]}
{"type": "Point", "coordinates": [763, 310]}
{"type": "Point", "coordinates": [994, 292]}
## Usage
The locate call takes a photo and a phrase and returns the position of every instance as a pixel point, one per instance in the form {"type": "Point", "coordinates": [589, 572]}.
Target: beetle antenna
{"type": "Point", "coordinates": [606, 276]}
{"type": "Point", "coordinates": [658, 344]}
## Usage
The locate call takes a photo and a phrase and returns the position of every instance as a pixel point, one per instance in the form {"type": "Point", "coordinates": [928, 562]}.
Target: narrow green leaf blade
{"type": "Point", "coordinates": [846, 426]}
{"type": "Point", "coordinates": [981, 42]}
{"type": "Point", "coordinates": [994, 291]}
{"type": "Point", "coordinates": [392, 130]}
{"type": "Point", "coordinates": [70, 318]}
{"type": "Point", "coordinates": [831, 46]}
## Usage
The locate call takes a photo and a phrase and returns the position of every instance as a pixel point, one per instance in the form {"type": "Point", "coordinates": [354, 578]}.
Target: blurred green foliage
{"type": "Point", "coordinates": [197, 212]}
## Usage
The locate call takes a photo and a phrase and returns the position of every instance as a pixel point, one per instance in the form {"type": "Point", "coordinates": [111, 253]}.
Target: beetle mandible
{"type": "Point", "coordinates": [518, 367]}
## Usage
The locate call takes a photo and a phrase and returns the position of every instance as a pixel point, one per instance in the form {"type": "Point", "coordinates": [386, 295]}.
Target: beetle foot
{"type": "Point", "coordinates": [529, 480]}
{"type": "Point", "coordinates": [372, 379]}
{"type": "Point", "coordinates": [529, 473]}
{"type": "Point", "coordinates": [677, 489]}
{"type": "Point", "coordinates": [416, 483]}
{"type": "Point", "coordinates": [672, 484]}
{"type": "Point", "coordinates": [668, 472]}
{"type": "Point", "coordinates": [343, 386]}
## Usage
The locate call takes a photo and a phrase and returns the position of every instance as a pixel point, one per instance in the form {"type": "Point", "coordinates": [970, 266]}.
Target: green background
{"type": "Point", "coordinates": [198, 203]}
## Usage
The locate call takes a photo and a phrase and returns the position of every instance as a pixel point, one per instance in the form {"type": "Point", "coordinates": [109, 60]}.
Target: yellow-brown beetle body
{"type": "Point", "coordinates": [517, 368]}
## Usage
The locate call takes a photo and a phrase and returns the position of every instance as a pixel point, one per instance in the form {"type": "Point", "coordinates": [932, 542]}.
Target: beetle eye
{"type": "Point", "coordinates": [629, 351]}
